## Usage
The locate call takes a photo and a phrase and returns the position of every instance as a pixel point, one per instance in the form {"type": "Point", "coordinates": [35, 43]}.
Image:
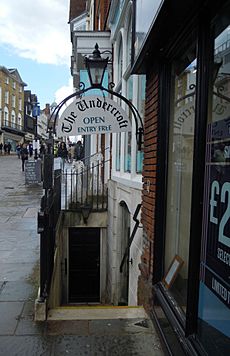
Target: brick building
{"type": "Point", "coordinates": [184, 266]}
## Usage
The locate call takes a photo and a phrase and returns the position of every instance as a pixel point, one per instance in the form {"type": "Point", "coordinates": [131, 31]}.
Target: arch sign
{"type": "Point", "coordinates": [93, 115]}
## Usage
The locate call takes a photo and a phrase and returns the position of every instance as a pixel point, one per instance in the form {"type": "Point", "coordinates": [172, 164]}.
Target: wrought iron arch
{"type": "Point", "coordinates": [139, 127]}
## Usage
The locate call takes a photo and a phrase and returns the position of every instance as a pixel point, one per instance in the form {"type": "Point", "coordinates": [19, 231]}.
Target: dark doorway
{"type": "Point", "coordinates": [84, 265]}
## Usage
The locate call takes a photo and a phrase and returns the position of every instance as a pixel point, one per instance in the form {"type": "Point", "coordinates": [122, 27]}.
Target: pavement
{"type": "Point", "coordinates": [20, 335]}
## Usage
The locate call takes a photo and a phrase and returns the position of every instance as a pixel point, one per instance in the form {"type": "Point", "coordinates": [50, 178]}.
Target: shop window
{"type": "Point", "coordinates": [180, 170]}
{"type": "Point", "coordinates": [214, 292]}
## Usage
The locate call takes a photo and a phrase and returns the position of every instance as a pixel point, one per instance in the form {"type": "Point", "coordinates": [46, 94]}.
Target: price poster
{"type": "Point", "coordinates": [214, 300]}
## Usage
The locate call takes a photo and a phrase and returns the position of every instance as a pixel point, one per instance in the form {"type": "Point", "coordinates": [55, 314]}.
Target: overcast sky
{"type": "Point", "coordinates": [35, 39]}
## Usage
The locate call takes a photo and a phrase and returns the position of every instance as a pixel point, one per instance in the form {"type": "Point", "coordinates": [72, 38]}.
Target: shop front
{"type": "Point", "coordinates": [13, 139]}
{"type": "Point", "coordinates": [189, 245]}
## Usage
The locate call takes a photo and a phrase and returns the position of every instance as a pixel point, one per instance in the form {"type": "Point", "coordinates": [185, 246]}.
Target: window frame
{"type": "Point", "coordinates": [188, 321]}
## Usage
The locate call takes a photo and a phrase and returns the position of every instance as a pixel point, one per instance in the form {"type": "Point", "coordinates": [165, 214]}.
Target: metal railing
{"type": "Point", "coordinates": [47, 222]}
{"type": "Point", "coordinates": [12, 125]}
{"type": "Point", "coordinates": [73, 189]}
{"type": "Point", "coordinates": [85, 186]}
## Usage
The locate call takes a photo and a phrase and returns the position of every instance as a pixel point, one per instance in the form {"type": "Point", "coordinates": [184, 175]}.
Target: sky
{"type": "Point", "coordinates": [35, 39]}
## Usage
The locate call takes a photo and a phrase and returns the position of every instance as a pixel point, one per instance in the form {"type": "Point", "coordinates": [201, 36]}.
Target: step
{"type": "Point", "coordinates": [96, 312]}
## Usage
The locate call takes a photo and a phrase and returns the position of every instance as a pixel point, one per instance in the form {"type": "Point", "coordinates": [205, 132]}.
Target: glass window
{"type": "Point", "coordinates": [128, 135]}
{"type": "Point", "coordinates": [13, 120]}
{"type": "Point", "coordinates": [118, 151]}
{"type": "Point", "coordinates": [145, 13]}
{"type": "Point", "coordinates": [6, 117]}
{"type": "Point", "coordinates": [141, 109]}
{"type": "Point", "coordinates": [13, 101]}
{"type": "Point", "coordinates": [129, 39]}
{"type": "Point", "coordinates": [214, 293]}
{"type": "Point", "coordinates": [120, 61]}
{"type": "Point", "coordinates": [6, 97]}
{"type": "Point", "coordinates": [180, 169]}
{"type": "Point", "coordinates": [127, 153]}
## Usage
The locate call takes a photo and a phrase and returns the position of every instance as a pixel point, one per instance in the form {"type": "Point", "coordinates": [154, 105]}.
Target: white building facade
{"type": "Point", "coordinates": [125, 186]}
{"type": "Point", "coordinates": [124, 178]}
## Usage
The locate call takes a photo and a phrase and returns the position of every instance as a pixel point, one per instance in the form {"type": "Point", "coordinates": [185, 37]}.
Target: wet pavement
{"type": "Point", "coordinates": [19, 273]}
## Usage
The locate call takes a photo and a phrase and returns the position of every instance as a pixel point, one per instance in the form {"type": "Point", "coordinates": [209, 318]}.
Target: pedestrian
{"type": "Point", "coordinates": [71, 152]}
{"type": "Point", "coordinates": [55, 150]}
{"type": "Point", "coordinates": [42, 150]}
{"type": "Point", "coordinates": [24, 155]}
{"type": "Point", "coordinates": [31, 149]}
{"type": "Point", "coordinates": [1, 147]}
{"type": "Point", "coordinates": [9, 148]}
{"type": "Point", "coordinates": [5, 147]}
{"type": "Point", "coordinates": [78, 152]}
{"type": "Point", "coordinates": [63, 153]}
{"type": "Point", "coordinates": [18, 150]}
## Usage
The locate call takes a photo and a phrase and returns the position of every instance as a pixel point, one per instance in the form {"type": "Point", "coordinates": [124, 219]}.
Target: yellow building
{"type": "Point", "coordinates": [11, 107]}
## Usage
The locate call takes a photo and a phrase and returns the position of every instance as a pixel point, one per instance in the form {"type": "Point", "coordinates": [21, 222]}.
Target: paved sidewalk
{"type": "Point", "coordinates": [19, 256]}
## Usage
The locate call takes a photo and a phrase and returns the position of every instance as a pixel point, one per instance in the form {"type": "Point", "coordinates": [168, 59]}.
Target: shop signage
{"type": "Point", "coordinates": [215, 258]}
{"type": "Point", "coordinates": [185, 114]}
{"type": "Point", "coordinates": [93, 115]}
{"type": "Point", "coordinates": [32, 172]}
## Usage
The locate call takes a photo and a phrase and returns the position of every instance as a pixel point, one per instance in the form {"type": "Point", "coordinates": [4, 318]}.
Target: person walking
{"type": "Point", "coordinates": [5, 147]}
{"type": "Point", "coordinates": [24, 155]}
{"type": "Point", "coordinates": [63, 153]}
{"type": "Point", "coordinates": [18, 150]}
{"type": "Point", "coordinates": [30, 149]}
{"type": "Point", "coordinates": [78, 152]}
{"type": "Point", "coordinates": [9, 148]}
{"type": "Point", "coordinates": [1, 147]}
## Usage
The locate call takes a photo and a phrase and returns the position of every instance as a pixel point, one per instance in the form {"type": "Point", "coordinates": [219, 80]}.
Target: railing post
{"type": "Point", "coordinates": [43, 260]}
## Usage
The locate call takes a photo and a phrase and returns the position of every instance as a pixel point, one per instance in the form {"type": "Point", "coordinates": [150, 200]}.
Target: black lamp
{"type": "Point", "coordinates": [96, 66]}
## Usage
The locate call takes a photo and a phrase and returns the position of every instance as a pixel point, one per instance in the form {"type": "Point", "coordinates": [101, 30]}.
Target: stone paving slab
{"type": "Point", "coordinates": [25, 346]}
{"type": "Point", "coordinates": [68, 327]}
{"type": "Point", "coordinates": [31, 213]}
{"type": "Point", "coordinates": [9, 312]}
{"type": "Point", "coordinates": [15, 271]}
{"type": "Point", "coordinates": [118, 327]}
{"type": "Point", "coordinates": [16, 256]}
{"type": "Point", "coordinates": [126, 345]}
{"type": "Point", "coordinates": [15, 291]}
{"type": "Point", "coordinates": [29, 327]}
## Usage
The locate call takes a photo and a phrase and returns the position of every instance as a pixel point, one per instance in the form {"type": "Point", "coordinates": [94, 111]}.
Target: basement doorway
{"type": "Point", "coordinates": [84, 265]}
